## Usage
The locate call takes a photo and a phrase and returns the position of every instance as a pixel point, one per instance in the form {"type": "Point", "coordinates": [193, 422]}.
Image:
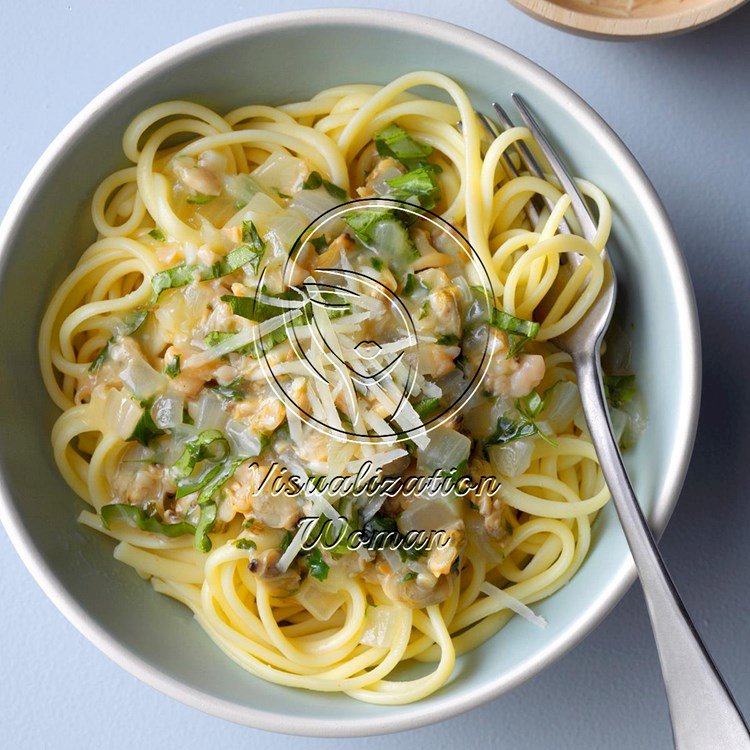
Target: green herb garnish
{"type": "Point", "coordinates": [199, 199]}
{"type": "Point", "coordinates": [206, 523]}
{"type": "Point", "coordinates": [173, 367]}
{"type": "Point", "coordinates": [209, 444]}
{"type": "Point", "coordinates": [317, 566]}
{"type": "Point", "coordinates": [136, 516]}
{"type": "Point", "coordinates": [129, 325]}
{"type": "Point", "coordinates": [319, 243]}
{"type": "Point", "coordinates": [519, 331]}
{"type": "Point", "coordinates": [145, 429]}
{"type": "Point", "coordinates": [185, 274]}
{"type": "Point", "coordinates": [413, 284]}
{"type": "Point", "coordinates": [448, 339]}
{"type": "Point", "coordinates": [619, 389]}
{"type": "Point", "coordinates": [427, 406]}
{"type": "Point", "coordinates": [157, 234]}
{"type": "Point", "coordinates": [419, 182]}
{"type": "Point", "coordinates": [395, 142]}
{"type": "Point", "coordinates": [232, 391]}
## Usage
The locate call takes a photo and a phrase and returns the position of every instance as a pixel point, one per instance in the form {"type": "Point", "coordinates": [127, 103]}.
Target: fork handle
{"type": "Point", "coordinates": [704, 714]}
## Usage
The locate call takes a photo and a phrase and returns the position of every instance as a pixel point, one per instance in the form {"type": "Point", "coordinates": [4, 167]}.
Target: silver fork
{"type": "Point", "coordinates": [704, 714]}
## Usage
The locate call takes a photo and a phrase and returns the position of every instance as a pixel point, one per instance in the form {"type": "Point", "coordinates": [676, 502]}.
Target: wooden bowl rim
{"type": "Point", "coordinates": [615, 27]}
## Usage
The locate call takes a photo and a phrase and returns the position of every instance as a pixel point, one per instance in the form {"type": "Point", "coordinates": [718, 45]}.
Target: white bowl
{"type": "Point", "coordinates": [272, 60]}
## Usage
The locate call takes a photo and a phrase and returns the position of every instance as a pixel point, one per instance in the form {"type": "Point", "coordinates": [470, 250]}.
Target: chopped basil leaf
{"type": "Point", "coordinates": [508, 430]}
{"type": "Point", "coordinates": [136, 516]}
{"type": "Point", "coordinates": [313, 181]}
{"type": "Point", "coordinates": [200, 199]}
{"type": "Point", "coordinates": [364, 222]}
{"type": "Point", "coordinates": [418, 182]}
{"type": "Point", "coordinates": [519, 331]}
{"type": "Point", "coordinates": [531, 406]}
{"type": "Point", "coordinates": [212, 481]}
{"type": "Point", "coordinates": [209, 444]}
{"type": "Point", "coordinates": [145, 429]}
{"type": "Point", "coordinates": [174, 277]}
{"type": "Point", "coordinates": [511, 324]}
{"type": "Point", "coordinates": [381, 230]}
{"type": "Point", "coordinates": [95, 366]}
{"type": "Point", "coordinates": [410, 576]}
{"type": "Point", "coordinates": [395, 142]}
{"type": "Point", "coordinates": [426, 406]}
{"type": "Point", "coordinates": [414, 283]}
{"type": "Point", "coordinates": [172, 368]}
{"type": "Point", "coordinates": [317, 566]}
{"type": "Point", "coordinates": [219, 479]}
{"type": "Point", "coordinates": [231, 391]}
{"type": "Point", "coordinates": [319, 243]}
{"type": "Point", "coordinates": [189, 485]}
{"type": "Point", "coordinates": [254, 243]}
{"type": "Point", "coordinates": [377, 264]}
{"type": "Point", "coordinates": [245, 544]}
{"type": "Point", "coordinates": [619, 389]}
{"type": "Point", "coordinates": [252, 309]}
{"type": "Point", "coordinates": [206, 522]}
{"type": "Point", "coordinates": [157, 234]}
{"type": "Point", "coordinates": [213, 338]}
{"type": "Point", "coordinates": [334, 190]}
{"type": "Point", "coordinates": [280, 194]}
{"type": "Point", "coordinates": [129, 325]}
{"type": "Point", "coordinates": [448, 339]}
{"type": "Point", "coordinates": [185, 274]}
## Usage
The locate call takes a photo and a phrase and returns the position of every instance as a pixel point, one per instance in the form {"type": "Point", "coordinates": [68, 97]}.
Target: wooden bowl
{"type": "Point", "coordinates": [627, 19]}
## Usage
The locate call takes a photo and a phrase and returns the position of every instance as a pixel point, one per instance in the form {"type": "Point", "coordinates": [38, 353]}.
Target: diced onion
{"type": "Point", "coordinates": [284, 229]}
{"type": "Point", "coordinates": [141, 378]}
{"type": "Point", "coordinates": [381, 624]}
{"type": "Point", "coordinates": [637, 420]}
{"type": "Point", "coordinates": [243, 440]}
{"type": "Point", "coordinates": [562, 405]}
{"type": "Point", "coordinates": [387, 172]}
{"type": "Point", "coordinates": [241, 187]}
{"type": "Point", "coordinates": [213, 160]}
{"type": "Point", "coordinates": [467, 296]}
{"type": "Point", "coordinates": [447, 450]}
{"type": "Point", "coordinates": [281, 172]}
{"type": "Point", "coordinates": [121, 414]}
{"type": "Point", "coordinates": [427, 514]}
{"type": "Point", "coordinates": [208, 412]}
{"type": "Point", "coordinates": [313, 203]}
{"type": "Point", "coordinates": [513, 458]}
{"type": "Point", "coordinates": [319, 600]}
{"type": "Point", "coordinates": [167, 411]}
{"type": "Point", "coordinates": [477, 535]}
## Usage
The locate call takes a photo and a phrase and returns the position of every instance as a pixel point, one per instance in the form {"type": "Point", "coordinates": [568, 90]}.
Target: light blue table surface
{"type": "Point", "coordinates": [682, 105]}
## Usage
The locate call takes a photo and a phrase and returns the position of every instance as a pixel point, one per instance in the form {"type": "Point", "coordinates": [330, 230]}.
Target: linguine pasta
{"type": "Point", "coordinates": [175, 351]}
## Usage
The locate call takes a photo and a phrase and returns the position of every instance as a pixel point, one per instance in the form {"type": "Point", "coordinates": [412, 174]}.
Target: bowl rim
{"type": "Point", "coordinates": [447, 705]}
{"type": "Point", "coordinates": [579, 21]}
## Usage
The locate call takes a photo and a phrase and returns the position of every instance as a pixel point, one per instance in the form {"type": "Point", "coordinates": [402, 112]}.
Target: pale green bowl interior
{"type": "Point", "coordinates": [272, 64]}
